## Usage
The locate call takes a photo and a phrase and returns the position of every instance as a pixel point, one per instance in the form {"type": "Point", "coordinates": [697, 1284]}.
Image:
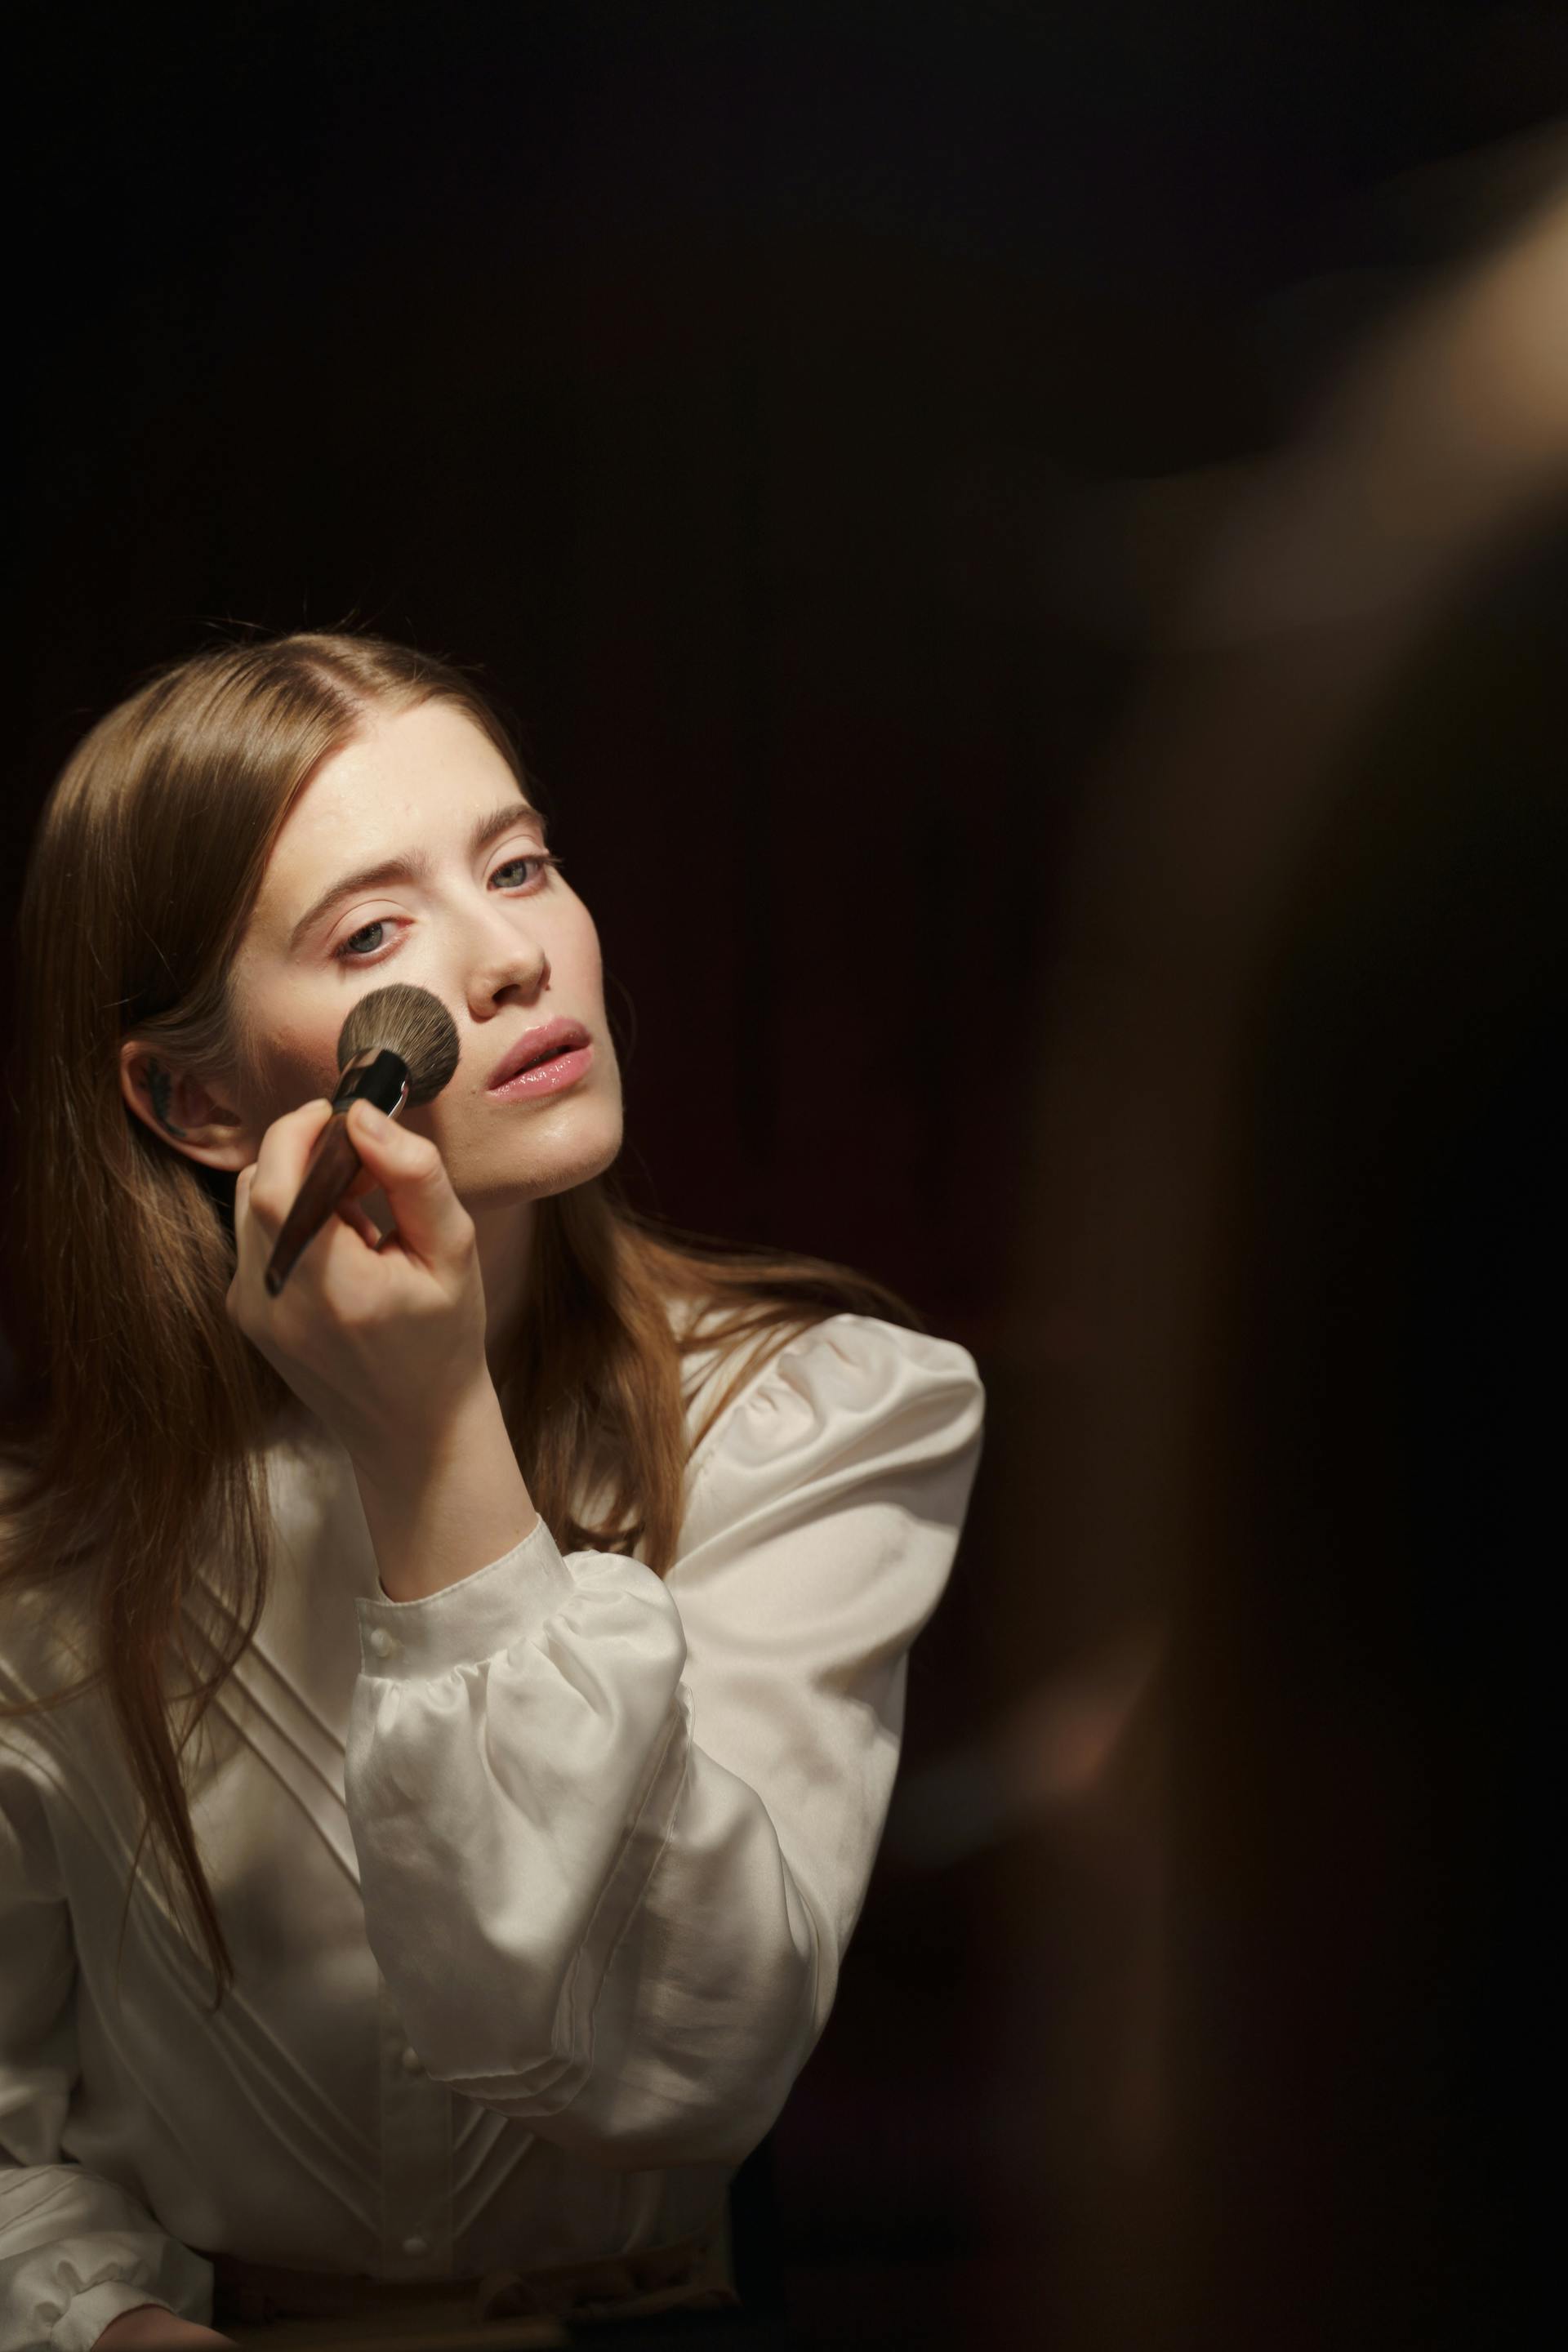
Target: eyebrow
{"type": "Point", "coordinates": [414, 866]}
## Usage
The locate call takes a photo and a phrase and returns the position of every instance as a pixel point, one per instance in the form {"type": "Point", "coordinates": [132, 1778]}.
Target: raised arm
{"type": "Point", "coordinates": [614, 1833]}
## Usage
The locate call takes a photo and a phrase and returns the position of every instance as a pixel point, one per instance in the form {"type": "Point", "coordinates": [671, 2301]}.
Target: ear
{"type": "Point", "coordinates": [181, 1111]}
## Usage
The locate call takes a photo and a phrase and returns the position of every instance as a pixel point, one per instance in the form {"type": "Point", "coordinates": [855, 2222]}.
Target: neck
{"type": "Point", "coordinates": [505, 1238]}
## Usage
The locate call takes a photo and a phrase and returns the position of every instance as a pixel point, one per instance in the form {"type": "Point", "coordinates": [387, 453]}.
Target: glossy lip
{"type": "Point", "coordinates": [552, 1076]}
{"type": "Point", "coordinates": [534, 1045]}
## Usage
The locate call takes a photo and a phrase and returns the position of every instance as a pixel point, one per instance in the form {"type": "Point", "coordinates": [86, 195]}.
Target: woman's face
{"type": "Point", "coordinates": [497, 934]}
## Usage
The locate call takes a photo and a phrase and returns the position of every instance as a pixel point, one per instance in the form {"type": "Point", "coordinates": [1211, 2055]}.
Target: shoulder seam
{"type": "Point", "coordinates": [703, 1460]}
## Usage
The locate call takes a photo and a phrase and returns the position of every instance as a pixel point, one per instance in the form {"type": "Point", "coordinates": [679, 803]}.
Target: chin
{"type": "Point", "coordinates": [557, 1165]}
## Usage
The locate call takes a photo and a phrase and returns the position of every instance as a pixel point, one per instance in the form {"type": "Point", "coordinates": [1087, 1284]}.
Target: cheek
{"type": "Point", "coordinates": [582, 946]}
{"type": "Point", "coordinates": [298, 1065]}
{"type": "Point", "coordinates": [292, 1023]}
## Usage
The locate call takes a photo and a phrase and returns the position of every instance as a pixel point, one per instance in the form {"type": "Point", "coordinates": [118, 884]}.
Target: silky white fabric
{"type": "Point", "coordinates": [537, 1889]}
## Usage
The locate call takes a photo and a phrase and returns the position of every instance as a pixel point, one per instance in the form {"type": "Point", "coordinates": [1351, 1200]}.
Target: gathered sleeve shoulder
{"type": "Point", "coordinates": [615, 1832]}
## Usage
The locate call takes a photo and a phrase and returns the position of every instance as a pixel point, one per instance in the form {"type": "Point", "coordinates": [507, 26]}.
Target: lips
{"type": "Point", "coordinates": [538, 1045]}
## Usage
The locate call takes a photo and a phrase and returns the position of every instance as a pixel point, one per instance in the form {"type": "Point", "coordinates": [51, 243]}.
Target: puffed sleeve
{"type": "Point", "coordinates": [75, 2250]}
{"type": "Point", "coordinates": [614, 1831]}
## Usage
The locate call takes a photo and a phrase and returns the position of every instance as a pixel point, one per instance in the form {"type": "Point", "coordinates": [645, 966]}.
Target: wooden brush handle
{"type": "Point", "coordinates": [332, 1166]}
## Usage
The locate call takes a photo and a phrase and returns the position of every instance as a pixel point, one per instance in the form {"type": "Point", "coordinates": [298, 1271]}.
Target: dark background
{"type": "Point", "coordinates": [748, 389]}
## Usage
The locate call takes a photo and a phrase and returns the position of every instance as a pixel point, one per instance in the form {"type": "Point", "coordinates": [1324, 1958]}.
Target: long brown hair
{"type": "Point", "coordinates": [129, 1447]}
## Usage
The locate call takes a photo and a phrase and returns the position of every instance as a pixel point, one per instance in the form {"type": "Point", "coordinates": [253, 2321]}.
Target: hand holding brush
{"type": "Point", "coordinates": [384, 1339]}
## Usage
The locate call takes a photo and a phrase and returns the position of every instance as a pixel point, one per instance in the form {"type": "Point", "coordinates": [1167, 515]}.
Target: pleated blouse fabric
{"type": "Point", "coordinates": [537, 1889]}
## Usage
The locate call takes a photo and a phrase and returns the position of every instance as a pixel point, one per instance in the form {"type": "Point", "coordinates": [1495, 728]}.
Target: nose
{"type": "Point", "coordinates": [506, 956]}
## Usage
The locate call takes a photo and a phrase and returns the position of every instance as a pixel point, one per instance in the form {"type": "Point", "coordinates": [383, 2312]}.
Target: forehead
{"type": "Point", "coordinates": [412, 784]}
{"type": "Point", "coordinates": [423, 768]}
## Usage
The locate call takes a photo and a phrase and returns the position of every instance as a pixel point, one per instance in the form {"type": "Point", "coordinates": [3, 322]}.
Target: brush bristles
{"type": "Point", "coordinates": [411, 1023]}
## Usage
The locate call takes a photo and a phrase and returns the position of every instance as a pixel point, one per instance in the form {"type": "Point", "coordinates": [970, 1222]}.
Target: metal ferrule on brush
{"type": "Point", "coordinates": [379, 1078]}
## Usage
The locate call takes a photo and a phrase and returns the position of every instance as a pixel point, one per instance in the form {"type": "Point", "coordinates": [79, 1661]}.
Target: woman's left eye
{"type": "Point", "coordinates": [344, 954]}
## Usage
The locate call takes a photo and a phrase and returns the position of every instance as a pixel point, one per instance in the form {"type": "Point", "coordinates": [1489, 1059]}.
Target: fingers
{"type": "Point", "coordinates": [428, 1223]}
{"type": "Point", "coordinates": [431, 1222]}
{"type": "Point", "coordinates": [279, 1169]}
{"type": "Point", "coordinates": [352, 1214]}
{"type": "Point", "coordinates": [265, 1191]}
{"type": "Point", "coordinates": [268, 1189]}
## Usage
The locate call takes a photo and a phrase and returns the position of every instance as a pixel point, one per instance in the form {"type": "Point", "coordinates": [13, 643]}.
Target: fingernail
{"type": "Point", "coordinates": [370, 1111]}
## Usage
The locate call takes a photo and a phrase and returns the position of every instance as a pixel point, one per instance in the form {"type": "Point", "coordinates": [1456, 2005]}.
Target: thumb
{"type": "Point", "coordinates": [412, 1173]}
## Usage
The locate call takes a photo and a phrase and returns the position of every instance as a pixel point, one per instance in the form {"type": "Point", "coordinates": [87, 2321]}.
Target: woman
{"type": "Point", "coordinates": [540, 1583]}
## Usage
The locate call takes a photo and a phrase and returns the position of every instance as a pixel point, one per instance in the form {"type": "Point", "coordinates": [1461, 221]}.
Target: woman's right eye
{"type": "Point", "coordinates": [342, 954]}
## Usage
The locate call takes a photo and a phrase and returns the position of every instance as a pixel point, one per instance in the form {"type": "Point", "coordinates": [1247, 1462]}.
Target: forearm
{"type": "Point", "coordinates": [449, 1506]}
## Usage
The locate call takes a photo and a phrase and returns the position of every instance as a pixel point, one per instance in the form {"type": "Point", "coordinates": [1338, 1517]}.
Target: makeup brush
{"type": "Point", "coordinates": [398, 1046]}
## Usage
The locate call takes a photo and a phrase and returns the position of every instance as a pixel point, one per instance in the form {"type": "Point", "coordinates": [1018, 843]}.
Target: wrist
{"type": "Point", "coordinates": [406, 1463]}
{"type": "Point", "coordinates": [448, 1505]}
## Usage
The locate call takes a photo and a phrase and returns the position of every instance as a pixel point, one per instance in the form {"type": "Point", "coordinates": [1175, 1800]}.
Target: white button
{"type": "Point", "coordinates": [415, 2246]}
{"type": "Point", "coordinates": [411, 2063]}
{"type": "Point", "coordinates": [381, 1641]}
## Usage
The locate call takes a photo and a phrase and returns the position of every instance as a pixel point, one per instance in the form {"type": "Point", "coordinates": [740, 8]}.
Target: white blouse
{"type": "Point", "coordinates": [537, 1889]}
